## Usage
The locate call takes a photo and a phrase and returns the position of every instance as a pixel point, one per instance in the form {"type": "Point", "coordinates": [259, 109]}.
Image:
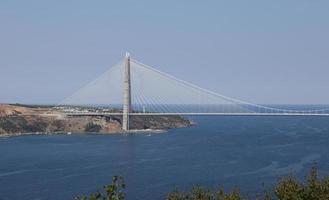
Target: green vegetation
{"type": "Point", "coordinates": [314, 189]}
{"type": "Point", "coordinates": [113, 191]}
{"type": "Point", "coordinates": [15, 123]}
{"type": "Point", "coordinates": [287, 188]}
{"type": "Point", "coordinates": [32, 105]}
{"type": "Point", "coordinates": [92, 127]}
{"type": "Point", "coordinates": [158, 122]}
{"type": "Point", "coordinates": [200, 193]}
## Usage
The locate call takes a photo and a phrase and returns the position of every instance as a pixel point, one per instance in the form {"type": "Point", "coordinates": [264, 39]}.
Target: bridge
{"type": "Point", "coordinates": [132, 88]}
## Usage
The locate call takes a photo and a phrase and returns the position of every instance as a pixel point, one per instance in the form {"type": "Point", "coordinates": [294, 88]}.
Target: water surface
{"type": "Point", "coordinates": [244, 151]}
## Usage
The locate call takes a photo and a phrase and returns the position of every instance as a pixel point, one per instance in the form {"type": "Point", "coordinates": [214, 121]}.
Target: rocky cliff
{"type": "Point", "coordinates": [19, 119]}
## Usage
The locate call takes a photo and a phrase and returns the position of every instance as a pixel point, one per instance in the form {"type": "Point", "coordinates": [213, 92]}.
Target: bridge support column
{"type": "Point", "coordinates": [126, 93]}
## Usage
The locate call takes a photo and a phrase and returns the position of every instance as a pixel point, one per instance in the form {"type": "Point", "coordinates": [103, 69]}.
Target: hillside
{"type": "Point", "coordinates": [19, 119]}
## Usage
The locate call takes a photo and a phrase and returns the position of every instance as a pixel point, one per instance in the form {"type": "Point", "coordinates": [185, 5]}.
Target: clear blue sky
{"type": "Point", "coordinates": [260, 51]}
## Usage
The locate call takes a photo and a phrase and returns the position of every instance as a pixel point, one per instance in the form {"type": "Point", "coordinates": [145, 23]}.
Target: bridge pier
{"type": "Point", "coordinates": [126, 93]}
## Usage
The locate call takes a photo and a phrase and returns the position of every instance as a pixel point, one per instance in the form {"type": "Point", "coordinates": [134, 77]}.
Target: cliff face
{"type": "Point", "coordinates": [158, 122]}
{"type": "Point", "coordinates": [20, 119]}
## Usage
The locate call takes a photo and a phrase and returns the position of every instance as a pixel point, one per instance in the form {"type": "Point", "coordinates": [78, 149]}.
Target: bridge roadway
{"type": "Point", "coordinates": [198, 114]}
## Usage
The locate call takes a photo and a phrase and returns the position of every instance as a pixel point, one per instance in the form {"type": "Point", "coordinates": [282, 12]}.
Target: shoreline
{"type": "Point", "coordinates": [20, 120]}
{"type": "Point", "coordinates": [136, 131]}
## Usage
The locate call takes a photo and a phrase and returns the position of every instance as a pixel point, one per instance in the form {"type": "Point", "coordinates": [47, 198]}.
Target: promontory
{"type": "Point", "coordinates": [17, 119]}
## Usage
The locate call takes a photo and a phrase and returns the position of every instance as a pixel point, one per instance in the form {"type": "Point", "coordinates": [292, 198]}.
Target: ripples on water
{"type": "Point", "coordinates": [244, 151]}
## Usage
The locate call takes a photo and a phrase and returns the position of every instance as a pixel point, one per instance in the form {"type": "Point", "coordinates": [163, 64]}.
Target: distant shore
{"type": "Point", "coordinates": [145, 131]}
{"type": "Point", "coordinates": [18, 120]}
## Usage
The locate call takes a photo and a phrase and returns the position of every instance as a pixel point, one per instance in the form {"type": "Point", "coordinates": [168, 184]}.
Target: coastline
{"type": "Point", "coordinates": [18, 120]}
{"type": "Point", "coordinates": [145, 131]}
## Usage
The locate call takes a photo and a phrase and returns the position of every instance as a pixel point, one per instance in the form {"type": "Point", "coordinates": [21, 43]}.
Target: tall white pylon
{"type": "Point", "coordinates": [126, 93]}
{"type": "Point", "coordinates": [141, 89]}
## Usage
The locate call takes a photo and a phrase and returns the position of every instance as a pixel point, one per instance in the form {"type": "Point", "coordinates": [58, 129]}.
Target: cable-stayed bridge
{"type": "Point", "coordinates": [133, 88]}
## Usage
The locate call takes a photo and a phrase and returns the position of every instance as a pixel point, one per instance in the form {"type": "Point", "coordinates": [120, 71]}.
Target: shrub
{"type": "Point", "coordinates": [114, 191]}
{"type": "Point", "coordinates": [14, 123]}
{"type": "Point", "coordinates": [92, 127]}
{"type": "Point", "coordinates": [287, 188]}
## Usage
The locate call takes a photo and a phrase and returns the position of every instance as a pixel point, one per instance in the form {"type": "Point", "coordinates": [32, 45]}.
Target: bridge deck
{"type": "Point", "coordinates": [200, 114]}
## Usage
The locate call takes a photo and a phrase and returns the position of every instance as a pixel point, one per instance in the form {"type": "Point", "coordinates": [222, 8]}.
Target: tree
{"type": "Point", "coordinates": [92, 127]}
{"type": "Point", "coordinates": [287, 188]}
{"type": "Point", "coordinates": [114, 191]}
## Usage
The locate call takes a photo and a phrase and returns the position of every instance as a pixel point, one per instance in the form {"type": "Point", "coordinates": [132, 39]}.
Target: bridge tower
{"type": "Point", "coordinates": [126, 93]}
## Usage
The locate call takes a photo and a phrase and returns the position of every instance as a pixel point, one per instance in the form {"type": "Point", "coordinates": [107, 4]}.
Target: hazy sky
{"type": "Point", "coordinates": [261, 51]}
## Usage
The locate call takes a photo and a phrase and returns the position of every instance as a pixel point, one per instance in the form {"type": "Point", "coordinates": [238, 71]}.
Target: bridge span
{"type": "Point", "coordinates": [198, 114]}
{"type": "Point", "coordinates": [136, 89]}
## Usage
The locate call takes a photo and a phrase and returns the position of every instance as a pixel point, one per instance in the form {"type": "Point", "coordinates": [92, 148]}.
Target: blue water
{"type": "Point", "coordinates": [244, 151]}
